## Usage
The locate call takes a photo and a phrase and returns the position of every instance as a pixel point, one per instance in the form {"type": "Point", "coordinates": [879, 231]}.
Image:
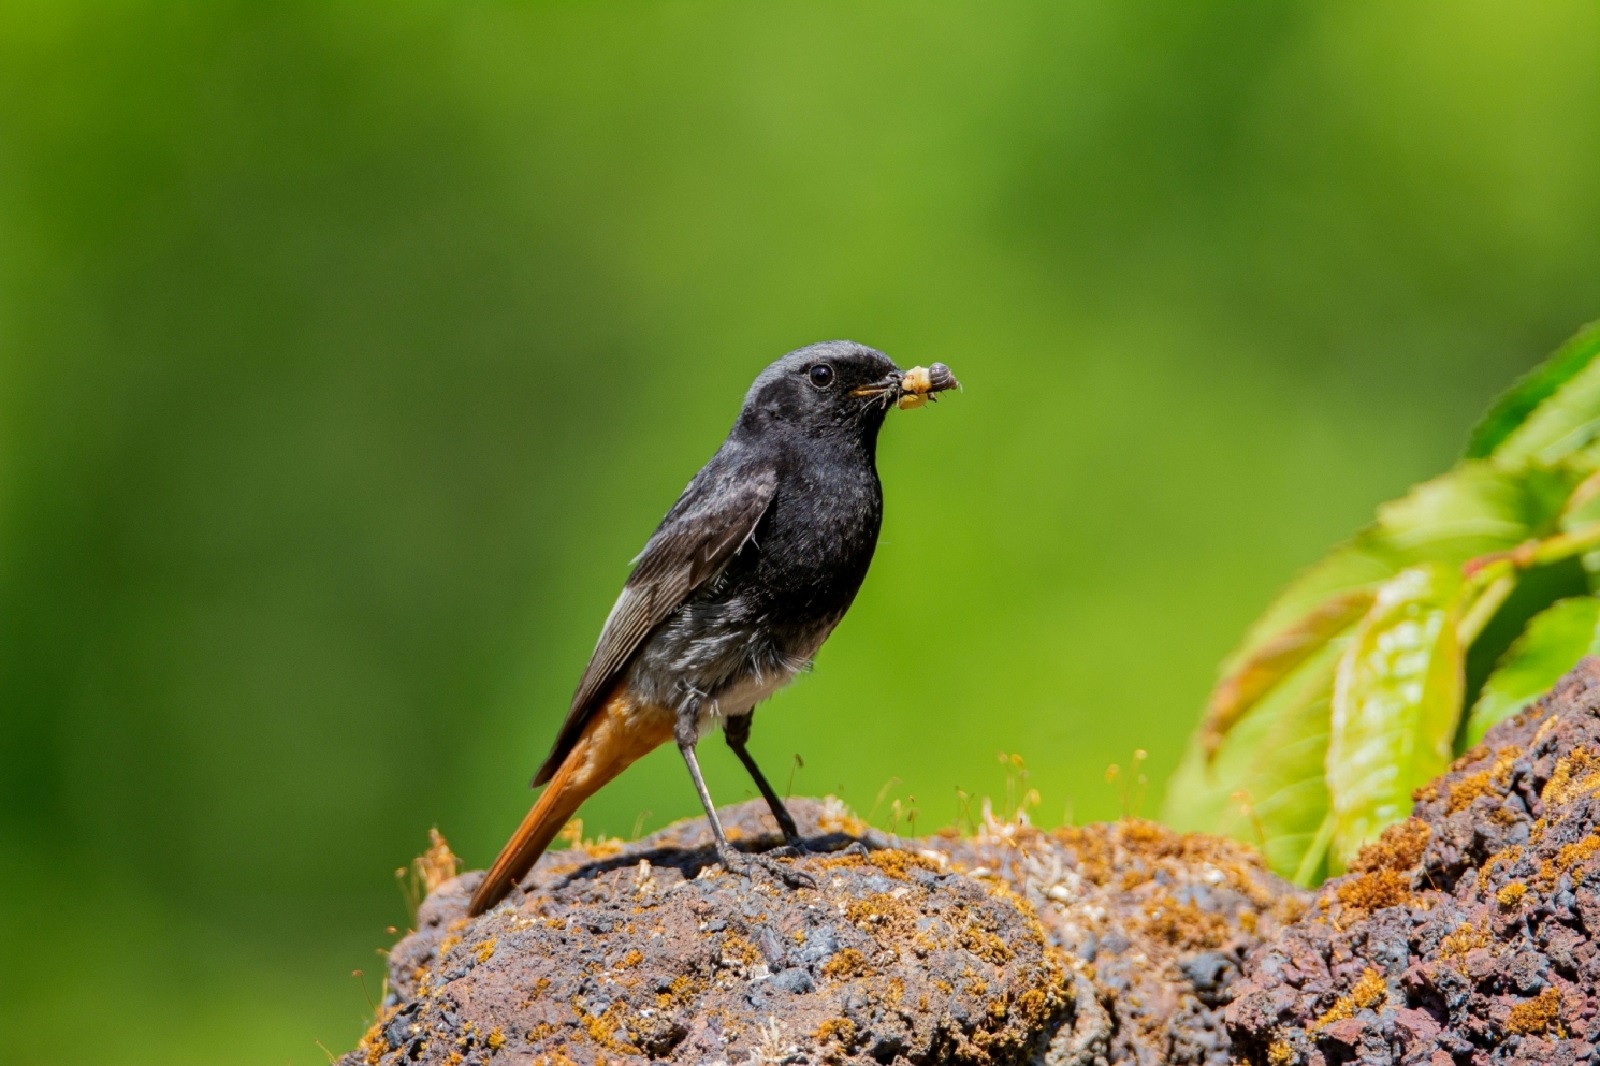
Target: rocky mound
{"type": "Point", "coordinates": [1469, 934]}
{"type": "Point", "coordinates": [652, 952]}
{"type": "Point", "coordinates": [1098, 945]}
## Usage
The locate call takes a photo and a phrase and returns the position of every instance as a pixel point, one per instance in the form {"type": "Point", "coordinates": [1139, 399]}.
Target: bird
{"type": "Point", "coordinates": [733, 594]}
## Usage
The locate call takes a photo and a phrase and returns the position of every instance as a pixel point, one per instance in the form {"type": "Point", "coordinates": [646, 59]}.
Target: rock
{"type": "Point", "coordinates": [1470, 933]}
{"type": "Point", "coordinates": [1102, 944]}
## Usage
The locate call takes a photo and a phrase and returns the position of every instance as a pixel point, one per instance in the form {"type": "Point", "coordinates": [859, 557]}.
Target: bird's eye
{"type": "Point", "coordinates": [822, 375]}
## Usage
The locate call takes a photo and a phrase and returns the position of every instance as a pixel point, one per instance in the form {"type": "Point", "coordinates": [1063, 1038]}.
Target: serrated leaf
{"type": "Point", "coordinates": [1396, 701]}
{"type": "Point", "coordinates": [1566, 422]}
{"type": "Point", "coordinates": [1515, 407]}
{"type": "Point", "coordinates": [1556, 638]}
{"type": "Point", "coordinates": [1266, 786]}
{"type": "Point", "coordinates": [1472, 510]}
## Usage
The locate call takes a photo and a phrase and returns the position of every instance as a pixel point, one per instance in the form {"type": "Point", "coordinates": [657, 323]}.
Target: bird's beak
{"type": "Point", "coordinates": [889, 388]}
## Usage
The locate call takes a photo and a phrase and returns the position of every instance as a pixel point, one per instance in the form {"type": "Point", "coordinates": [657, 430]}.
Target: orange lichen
{"type": "Point", "coordinates": [633, 958]}
{"type": "Point", "coordinates": [1399, 848]}
{"type": "Point", "coordinates": [1280, 1053]}
{"type": "Point", "coordinates": [1496, 779]}
{"type": "Point", "coordinates": [1505, 856]}
{"type": "Point", "coordinates": [1464, 790]}
{"type": "Point", "coordinates": [602, 1028]}
{"type": "Point", "coordinates": [681, 988]}
{"type": "Point", "coordinates": [1463, 940]}
{"type": "Point", "coordinates": [496, 1039]}
{"type": "Point", "coordinates": [1184, 924]}
{"type": "Point", "coordinates": [1035, 1004]}
{"type": "Point", "coordinates": [735, 948]}
{"type": "Point", "coordinates": [883, 914]}
{"type": "Point", "coordinates": [485, 950]}
{"type": "Point", "coordinates": [845, 964]}
{"type": "Point", "coordinates": [985, 944]}
{"type": "Point", "coordinates": [841, 1029]}
{"type": "Point", "coordinates": [899, 864]}
{"type": "Point", "coordinates": [1369, 991]}
{"type": "Point", "coordinates": [1511, 895]}
{"type": "Point", "coordinates": [1576, 773]}
{"type": "Point", "coordinates": [1539, 1015]}
{"type": "Point", "coordinates": [373, 1045]}
{"type": "Point", "coordinates": [1568, 856]}
{"type": "Point", "coordinates": [1374, 891]}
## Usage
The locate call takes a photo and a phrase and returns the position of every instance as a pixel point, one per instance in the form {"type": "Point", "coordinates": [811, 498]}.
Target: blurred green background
{"type": "Point", "coordinates": [349, 351]}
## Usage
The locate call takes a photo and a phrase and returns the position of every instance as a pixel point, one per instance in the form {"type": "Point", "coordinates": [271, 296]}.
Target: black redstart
{"type": "Point", "coordinates": [734, 593]}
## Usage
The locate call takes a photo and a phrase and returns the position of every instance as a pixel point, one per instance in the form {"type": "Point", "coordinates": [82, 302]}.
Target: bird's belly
{"type": "Point", "coordinates": [714, 672]}
{"type": "Point", "coordinates": [738, 697]}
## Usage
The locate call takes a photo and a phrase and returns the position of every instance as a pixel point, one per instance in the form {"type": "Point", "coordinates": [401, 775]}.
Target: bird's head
{"type": "Point", "coordinates": [837, 387]}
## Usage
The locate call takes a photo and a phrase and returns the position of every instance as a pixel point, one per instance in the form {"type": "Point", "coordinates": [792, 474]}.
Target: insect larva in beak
{"type": "Point", "coordinates": [921, 382]}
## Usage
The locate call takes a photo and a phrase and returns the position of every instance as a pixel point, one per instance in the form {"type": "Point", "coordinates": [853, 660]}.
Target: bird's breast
{"type": "Point", "coordinates": [815, 545]}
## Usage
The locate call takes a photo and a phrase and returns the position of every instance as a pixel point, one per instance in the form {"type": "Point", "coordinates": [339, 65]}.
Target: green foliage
{"type": "Point", "coordinates": [1452, 571]}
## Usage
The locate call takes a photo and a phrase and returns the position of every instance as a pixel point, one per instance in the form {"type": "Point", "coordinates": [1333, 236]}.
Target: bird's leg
{"type": "Point", "coordinates": [733, 861]}
{"type": "Point", "coordinates": [737, 732]}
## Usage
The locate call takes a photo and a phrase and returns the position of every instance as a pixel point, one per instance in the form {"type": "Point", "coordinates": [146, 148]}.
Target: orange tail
{"type": "Point", "coordinates": [619, 732]}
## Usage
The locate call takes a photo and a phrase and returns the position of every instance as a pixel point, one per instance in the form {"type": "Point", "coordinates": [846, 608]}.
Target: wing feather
{"type": "Point", "coordinates": [717, 513]}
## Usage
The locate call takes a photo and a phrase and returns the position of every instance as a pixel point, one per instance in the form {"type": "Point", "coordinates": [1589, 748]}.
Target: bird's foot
{"type": "Point", "coordinates": [746, 865]}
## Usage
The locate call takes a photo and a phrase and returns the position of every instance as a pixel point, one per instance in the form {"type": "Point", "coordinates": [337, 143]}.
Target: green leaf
{"type": "Point", "coordinates": [1266, 666]}
{"type": "Point", "coordinates": [1511, 412]}
{"type": "Point", "coordinates": [1554, 641]}
{"type": "Point", "coordinates": [1396, 701]}
{"type": "Point", "coordinates": [1266, 786]}
{"type": "Point", "coordinates": [1474, 509]}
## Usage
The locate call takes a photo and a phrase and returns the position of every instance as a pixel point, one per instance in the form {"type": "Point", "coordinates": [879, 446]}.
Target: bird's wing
{"type": "Point", "coordinates": [711, 521]}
